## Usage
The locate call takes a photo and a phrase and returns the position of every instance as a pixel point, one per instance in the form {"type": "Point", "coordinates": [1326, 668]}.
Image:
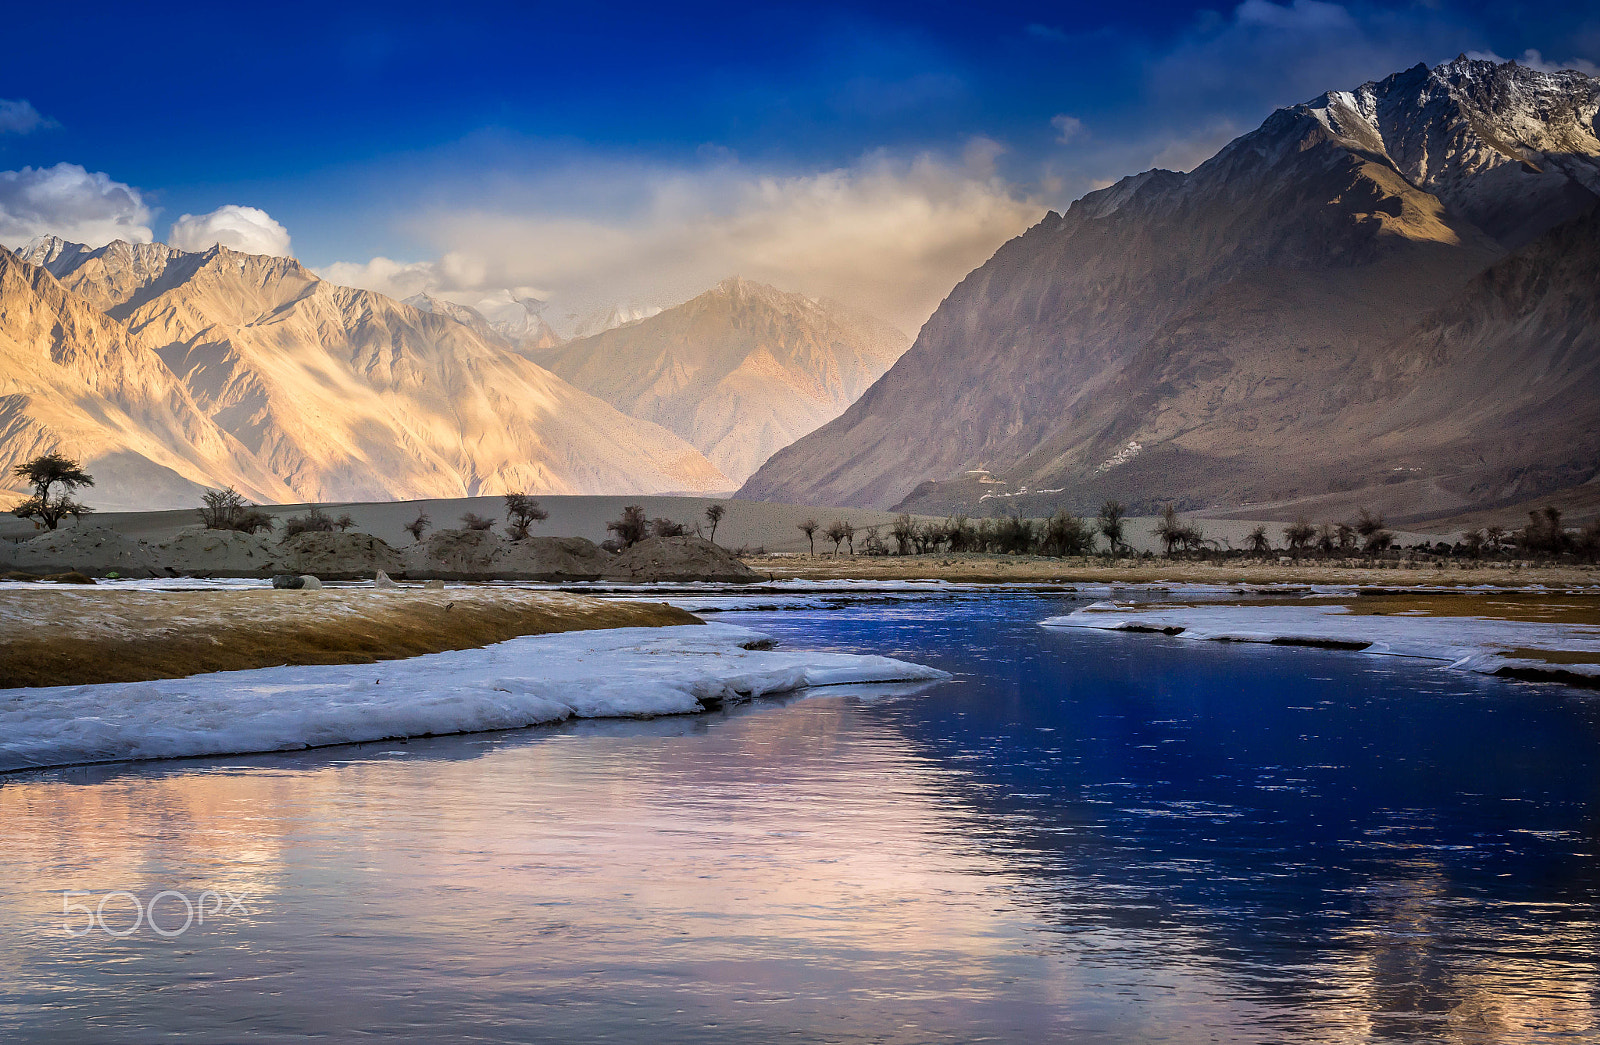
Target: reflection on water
{"type": "Point", "coordinates": [1088, 837]}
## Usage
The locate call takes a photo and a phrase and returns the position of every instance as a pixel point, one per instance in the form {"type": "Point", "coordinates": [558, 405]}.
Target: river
{"type": "Point", "coordinates": [1094, 837]}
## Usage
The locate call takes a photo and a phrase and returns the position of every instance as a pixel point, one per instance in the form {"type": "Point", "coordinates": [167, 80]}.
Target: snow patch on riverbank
{"type": "Point", "coordinates": [620, 673]}
{"type": "Point", "coordinates": [1465, 643]}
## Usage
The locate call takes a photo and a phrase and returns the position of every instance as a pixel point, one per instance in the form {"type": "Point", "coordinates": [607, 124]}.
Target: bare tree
{"type": "Point", "coordinates": [416, 526]}
{"type": "Point", "coordinates": [631, 528]}
{"type": "Point", "coordinates": [904, 533]}
{"type": "Point", "coordinates": [1066, 534]}
{"type": "Point", "coordinates": [474, 521]}
{"type": "Point", "coordinates": [1299, 534]}
{"type": "Point", "coordinates": [344, 522]}
{"type": "Point", "coordinates": [1170, 531]}
{"type": "Point", "coordinates": [809, 528]}
{"type": "Point", "coordinates": [1110, 524]}
{"type": "Point", "coordinates": [850, 535]}
{"type": "Point", "coordinates": [1544, 532]}
{"type": "Point", "coordinates": [1257, 541]}
{"type": "Point", "coordinates": [315, 520]}
{"type": "Point", "coordinates": [1374, 537]}
{"type": "Point", "coordinates": [47, 472]}
{"type": "Point", "coordinates": [220, 509]}
{"type": "Point", "coordinates": [664, 527]}
{"type": "Point", "coordinates": [522, 512]}
{"type": "Point", "coordinates": [714, 514]}
{"type": "Point", "coordinates": [835, 533]}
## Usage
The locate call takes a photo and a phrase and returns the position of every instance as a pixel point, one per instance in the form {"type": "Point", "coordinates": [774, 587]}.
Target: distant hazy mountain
{"type": "Point", "coordinates": [599, 320]}
{"type": "Point", "coordinates": [1320, 310]}
{"type": "Point", "coordinates": [343, 394]}
{"type": "Point", "coordinates": [522, 327]}
{"type": "Point", "coordinates": [740, 371]}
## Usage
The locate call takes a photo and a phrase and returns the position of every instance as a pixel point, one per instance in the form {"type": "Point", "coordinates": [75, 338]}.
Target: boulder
{"type": "Point", "coordinates": [288, 581]}
{"type": "Point", "coordinates": [310, 583]}
{"type": "Point", "coordinates": [338, 556]}
{"type": "Point", "coordinates": [383, 580]}
{"type": "Point", "coordinates": [434, 585]}
{"type": "Point", "coordinates": [197, 551]}
{"type": "Point", "coordinates": [456, 555]}
{"type": "Point", "coordinates": [679, 559]}
{"type": "Point", "coordinates": [550, 559]}
{"type": "Point", "coordinates": [91, 550]}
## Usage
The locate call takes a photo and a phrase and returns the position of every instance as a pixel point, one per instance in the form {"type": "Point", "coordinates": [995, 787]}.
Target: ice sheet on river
{"type": "Point", "coordinates": [624, 672]}
{"type": "Point", "coordinates": [1477, 644]}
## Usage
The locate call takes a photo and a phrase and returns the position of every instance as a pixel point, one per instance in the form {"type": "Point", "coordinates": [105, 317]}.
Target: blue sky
{"type": "Point", "coordinates": [592, 153]}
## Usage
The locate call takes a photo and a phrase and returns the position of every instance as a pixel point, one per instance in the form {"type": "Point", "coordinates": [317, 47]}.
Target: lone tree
{"type": "Point", "coordinates": [1171, 531]}
{"type": "Point", "coordinates": [47, 473]}
{"type": "Point", "coordinates": [1109, 524]}
{"type": "Point", "coordinates": [416, 526]}
{"type": "Point", "coordinates": [228, 510]}
{"type": "Point", "coordinates": [219, 508]}
{"type": "Point", "coordinates": [523, 511]}
{"type": "Point", "coordinates": [631, 528]}
{"type": "Point", "coordinates": [1259, 545]}
{"type": "Point", "coordinates": [809, 528]}
{"type": "Point", "coordinates": [344, 522]}
{"type": "Point", "coordinates": [1299, 534]}
{"type": "Point", "coordinates": [714, 514]}
{"type": "Point", "coordinates": [835, 533]}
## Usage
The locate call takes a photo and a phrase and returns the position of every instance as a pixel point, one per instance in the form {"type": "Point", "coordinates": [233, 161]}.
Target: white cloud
{"type": "Point", "coordinates": [70, 202]}
{"type": "Point", "coordinates": [18, 116]}
{"type": "Point", "coordinates": [891, 236]}
{"type": "Point", "coordinates": [1067, 127]}
{"type": "Point", "coordinates": [245, 229]}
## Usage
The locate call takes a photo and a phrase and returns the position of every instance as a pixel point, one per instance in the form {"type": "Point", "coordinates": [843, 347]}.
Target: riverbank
{"type": "Point", "coordinates": [1004, 569]}
{"type": "Point", "coordinates": [615, 672]}
{"type": "Point", "coordinates": [1550, 635]}
{"type": "Point", "coordinates": [75, 636]}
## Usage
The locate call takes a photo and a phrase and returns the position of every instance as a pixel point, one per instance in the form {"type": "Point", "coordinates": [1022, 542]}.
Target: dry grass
{"type": "Point", "coordinates": [71, 637]}
{"type": "Point", "coordinates": [1538, 607]}
{"type": "Point", "coordinates": [1002, 569]}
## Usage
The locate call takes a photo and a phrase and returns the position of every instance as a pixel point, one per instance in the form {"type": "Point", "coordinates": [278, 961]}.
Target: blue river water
{"type": "Point", "coordinates": [1084, 836]}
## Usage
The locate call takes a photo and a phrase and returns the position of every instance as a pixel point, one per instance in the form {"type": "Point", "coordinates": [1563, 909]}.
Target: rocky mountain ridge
{"type": "Point", "coordinates": [1239, 334]}
{"type": "Point", "coordinates": [331, 393]}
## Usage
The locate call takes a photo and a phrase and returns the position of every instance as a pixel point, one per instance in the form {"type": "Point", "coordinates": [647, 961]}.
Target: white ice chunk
{"type": "Point", "coordinates": [622, 672]}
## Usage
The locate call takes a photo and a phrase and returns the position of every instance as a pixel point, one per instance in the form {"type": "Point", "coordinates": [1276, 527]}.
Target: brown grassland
{"type": "Point", "coordinates": [53, 637]}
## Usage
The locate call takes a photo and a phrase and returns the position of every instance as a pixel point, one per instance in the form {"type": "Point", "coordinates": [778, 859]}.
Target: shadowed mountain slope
{"type": "Point", "coordinates": [1239, 333]}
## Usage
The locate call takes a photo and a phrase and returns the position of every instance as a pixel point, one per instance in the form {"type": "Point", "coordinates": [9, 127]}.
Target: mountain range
{"type": "Point", "coordinates": [1385, 295]}
{"type": "Point", "coordinates": [740, 372]}
{"type": "Point", "coordinates": [165, 369]}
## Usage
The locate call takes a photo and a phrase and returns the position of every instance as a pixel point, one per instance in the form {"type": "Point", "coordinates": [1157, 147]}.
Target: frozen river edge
{"type": "Point", "coordinates": [526, 681]}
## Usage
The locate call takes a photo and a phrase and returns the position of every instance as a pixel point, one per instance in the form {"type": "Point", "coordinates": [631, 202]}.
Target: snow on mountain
{"type": "Point", "coordinates": [1245, 324]}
